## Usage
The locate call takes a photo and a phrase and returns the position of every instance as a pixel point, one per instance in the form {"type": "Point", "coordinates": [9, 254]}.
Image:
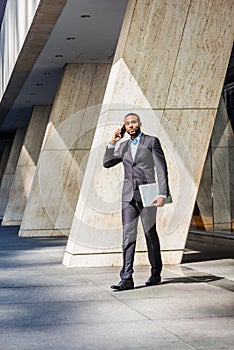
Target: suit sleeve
{"type": "Point", "coordinates": [111, 157]}
{"type": "Point", "coordinates": [161, 167]}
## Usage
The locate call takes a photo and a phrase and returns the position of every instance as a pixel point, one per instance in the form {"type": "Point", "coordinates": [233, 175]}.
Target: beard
{"type": "Point", "coordinates": [136, 131]}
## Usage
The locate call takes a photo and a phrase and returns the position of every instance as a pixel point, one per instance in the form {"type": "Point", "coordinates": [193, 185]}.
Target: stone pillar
{"type": "Point", "coordinates": [26, 166]}
{"type": "Point", "coordinates": [4, 158]}
{"type": "Point", "coordinates": [222, 143]}
{"type": "Point", "coordinates": [51, 204]}
{"type": "Point", "coordinates": [10, 170]}
{"type": "Point", "coordinates": [168, 67]}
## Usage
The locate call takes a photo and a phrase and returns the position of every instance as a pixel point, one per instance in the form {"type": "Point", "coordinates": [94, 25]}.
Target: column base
{"type": "Point", "coordinates": [44, 233]}
{"type": "Point", "coordinates": [115, 259]}
{"type": "Point", "coordinates": [11, 222]}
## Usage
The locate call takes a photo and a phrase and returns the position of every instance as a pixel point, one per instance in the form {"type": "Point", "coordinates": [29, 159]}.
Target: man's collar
{"type": "Point", "coordinates": [136, 140]}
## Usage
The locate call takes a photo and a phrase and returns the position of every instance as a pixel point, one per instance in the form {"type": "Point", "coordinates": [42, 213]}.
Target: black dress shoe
{"type": "Point", "coordinates": [123, 285]}
{"type": "Point", "coordinates": [153, 281]}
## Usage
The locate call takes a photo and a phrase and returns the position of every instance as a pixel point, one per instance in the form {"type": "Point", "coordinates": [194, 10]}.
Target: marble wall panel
{"type": "Point", "coordinates": [4, 192]}
{"type": "Point", "coordinates": [35, 214]}
{"type": "Point", "coordinates": [221, 185]}
{"type": "Point", "coordinates": [34, 136]}
{"type": "Point", "coordinates": [204, 195]}
{"type": "Point", "coordinates": [4, 158]}
{"type": "Point", "coordinates": [179, 128]}
{"type": "Point", "coordinates": [26, 165]}
{"type": "Point", "coordinates": [218, 211]}
{"type": "Point", "coordinates": [47, 191]}
{"type": "Point", "coordinates": [72, 180]}
{"type": "Point", "coordinates": [15, 151]}
{"type": "Point", "coordinates": [231, 170]}
{"type": "Point", "coordinates": [203, 56]}
{"type": "Point", "coordinates": [150, 48]}
{"type": "Point", "coordinates": [67, 140]}
{"type": "Point", "coordinates": [222, 135]}
{"type": "Point", "coordinates": [18, 195]}
{"type": "Point", "coordinates": [10, 170]}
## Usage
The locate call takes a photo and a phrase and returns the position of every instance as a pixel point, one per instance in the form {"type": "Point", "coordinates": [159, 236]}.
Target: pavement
{"type": "Point", "coordinates": [45, 305]}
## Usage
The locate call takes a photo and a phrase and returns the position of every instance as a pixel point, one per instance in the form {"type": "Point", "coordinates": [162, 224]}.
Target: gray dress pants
{"type": "Point", "coordinates": [130, 215]}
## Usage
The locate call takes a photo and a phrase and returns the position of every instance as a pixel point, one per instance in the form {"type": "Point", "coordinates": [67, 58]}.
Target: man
{"type": "Point", "coordinates": [141, 155]}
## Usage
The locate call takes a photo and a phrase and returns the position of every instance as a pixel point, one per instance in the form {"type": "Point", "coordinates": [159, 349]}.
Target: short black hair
{"type": "Point", "coordinates": [133, 113]}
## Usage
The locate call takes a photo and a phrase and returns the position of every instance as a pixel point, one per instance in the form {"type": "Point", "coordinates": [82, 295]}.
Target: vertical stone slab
{"type": "Point", "coordinates": [26, 165]}
{"type": "Point", "coordinates": [10, 170]}
{"type": "Point", "coordinates": [168, 68]}
{"type": "Point", "coordinates": [222, 146]}
{"type": "Point", "coordinates": [4, 158]}
{"type": "Point", "coordinates": [55, 189]}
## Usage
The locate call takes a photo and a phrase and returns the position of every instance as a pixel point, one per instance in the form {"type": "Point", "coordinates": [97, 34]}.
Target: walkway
{"type": "Point", "coordinates": [44, 305]}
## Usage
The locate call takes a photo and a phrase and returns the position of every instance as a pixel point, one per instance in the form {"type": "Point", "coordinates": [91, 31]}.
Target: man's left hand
{"type": "Point", "coordinates": [159, 202]}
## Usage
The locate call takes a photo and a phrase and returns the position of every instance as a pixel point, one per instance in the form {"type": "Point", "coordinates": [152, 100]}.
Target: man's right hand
{"type": "Point", "coordinates": [116, 137]}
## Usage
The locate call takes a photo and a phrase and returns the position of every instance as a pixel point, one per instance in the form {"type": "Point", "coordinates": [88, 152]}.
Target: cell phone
{"type": "Point", "coordinates": [123, 130]}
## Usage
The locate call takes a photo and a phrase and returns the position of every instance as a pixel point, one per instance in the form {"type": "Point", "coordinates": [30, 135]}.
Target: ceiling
{"type": "Point", "coordinates": [86, 31]}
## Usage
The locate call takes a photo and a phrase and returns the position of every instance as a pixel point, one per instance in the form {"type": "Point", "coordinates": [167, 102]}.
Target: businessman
{"type": "Point", "coordinates": [144, 162]}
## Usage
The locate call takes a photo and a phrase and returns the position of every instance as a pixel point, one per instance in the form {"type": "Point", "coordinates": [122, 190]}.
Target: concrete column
{"type": "Point", "coordinates": [219, 177]}
{"type": "Point", "coordinates": [26, 166]}
{"type": "Point", "coordinates": [222, 146]}
{"type": "Point", "coordinates": [204, 196]}
{"type": "Point", "coordinates": [10, 170]}
{"type": "Point", "coordinates": [51, 204]}
{"type": "Point", "coordinates": [4, 158]}
{"type": "Point", "coordinates": [169, 69]}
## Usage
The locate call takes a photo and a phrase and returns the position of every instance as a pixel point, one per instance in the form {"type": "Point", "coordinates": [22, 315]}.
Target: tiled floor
{"type": "Point", "coordinates": [44, 305]}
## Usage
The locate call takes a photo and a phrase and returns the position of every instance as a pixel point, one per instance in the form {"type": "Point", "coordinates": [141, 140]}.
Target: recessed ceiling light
{"type": "Point", "coordinates": [58, 56]}
{"type": "Point", "coordinates": [70, 38]}
{"type": "Point", "coordinates": [85, 16]}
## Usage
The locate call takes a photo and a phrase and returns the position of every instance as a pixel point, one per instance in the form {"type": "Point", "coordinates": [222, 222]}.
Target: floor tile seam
{"type": "Point", "coordinates": [122, 302]}
{"type": "Point", "coordinates": [180, 338]}
{"type": "Point", "coordinates": [192, 347]}
{"type": "Point", "coordinates": [168, 330]}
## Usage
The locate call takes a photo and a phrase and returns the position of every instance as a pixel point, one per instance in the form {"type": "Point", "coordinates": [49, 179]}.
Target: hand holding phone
{"type": "Point", "coordinates": [118, 135]}
{"type": "Point", "coordinates": [122, 132]}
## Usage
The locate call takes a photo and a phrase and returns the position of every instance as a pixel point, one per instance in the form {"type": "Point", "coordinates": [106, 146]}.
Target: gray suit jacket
{"type": "Point", "coordinates": [141, 170]}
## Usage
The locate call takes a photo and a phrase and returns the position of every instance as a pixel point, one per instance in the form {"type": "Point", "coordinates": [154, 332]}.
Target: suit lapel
{"type": "Point", "coordinates": [139, 148]}
{"type": "Point", "coordinates": [127, 149]}
{"type": "Point", "coordinates": [127, 154]}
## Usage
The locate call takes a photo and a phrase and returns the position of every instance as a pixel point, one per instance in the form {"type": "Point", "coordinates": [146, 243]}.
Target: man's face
{"type": "Point", "coordinates": [132, 125]}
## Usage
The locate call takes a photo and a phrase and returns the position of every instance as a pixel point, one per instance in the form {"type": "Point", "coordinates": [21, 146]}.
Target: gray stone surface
{"type": "Point", "coordinates": [44, 305]}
